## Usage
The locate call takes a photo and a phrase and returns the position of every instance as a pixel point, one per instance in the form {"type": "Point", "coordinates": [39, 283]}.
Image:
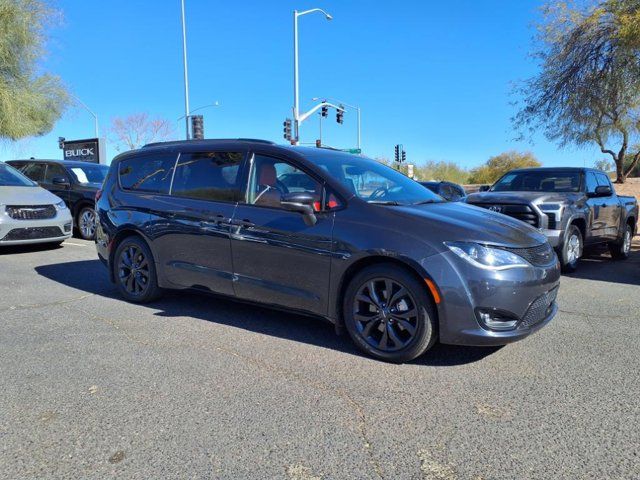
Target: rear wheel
{"type": "Point", "coordinates": [135, 272]}
{"type": "Point", "coordinates": [621, 249]}
{"type": "Point", "coordinates": [86, 223]}
{"type": "Point", "coordinates": [389, 314]}
{"type": "Point", "coordinates": [571, 249]}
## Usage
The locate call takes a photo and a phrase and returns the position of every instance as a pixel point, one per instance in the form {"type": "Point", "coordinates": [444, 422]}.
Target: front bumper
{"type": "Point", "coordinates": [24, 232]}
{"type": "Point", "coordinates": [466, 289]}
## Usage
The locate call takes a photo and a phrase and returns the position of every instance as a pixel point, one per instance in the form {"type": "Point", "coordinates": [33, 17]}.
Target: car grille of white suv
{"type": "Point", "coordinates": [31, 212]}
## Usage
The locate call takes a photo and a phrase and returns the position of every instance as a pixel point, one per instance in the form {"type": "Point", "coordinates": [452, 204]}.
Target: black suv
{"type": "Point", "coordinates": [74, 182]}
{"type": "Point", "coordinates": [326, 233]}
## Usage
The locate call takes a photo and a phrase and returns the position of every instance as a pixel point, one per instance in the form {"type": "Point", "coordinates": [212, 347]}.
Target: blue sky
{"type": "Point", "coordinates": [434, 76]}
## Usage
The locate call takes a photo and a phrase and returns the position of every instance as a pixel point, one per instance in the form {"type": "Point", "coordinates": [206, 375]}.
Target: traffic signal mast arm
{"type": "Point", "coordinates": [306, 115]}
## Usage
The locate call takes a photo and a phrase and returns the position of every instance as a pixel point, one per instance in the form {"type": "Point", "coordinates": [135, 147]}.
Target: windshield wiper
{"type": "Point", "coordinates": [424, 202]}
{"type": "Point", "coordinates": [385, 202]}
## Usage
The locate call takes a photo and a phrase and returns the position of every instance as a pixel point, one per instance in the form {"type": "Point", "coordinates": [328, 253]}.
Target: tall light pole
{"type": "Point", "coordinates": [296, 97]}
{"type": "Point", "coordinates": [186, 72]}
{"type": "Point", "coordinates": [95, 116]}
{"type": "Point", "coordinates": [346, 105]}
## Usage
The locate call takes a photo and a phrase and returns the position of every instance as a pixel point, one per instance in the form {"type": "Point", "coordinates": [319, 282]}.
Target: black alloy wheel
{"type": "Point", "coordinates": [389, 314]}
{"type": "Point", "coordinates": [134, 271]}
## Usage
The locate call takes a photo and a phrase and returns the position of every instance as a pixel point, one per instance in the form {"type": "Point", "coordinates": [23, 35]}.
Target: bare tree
{"type": "Point", "coordinates": [138, 129]}
{"type": "Point", "coordinates": [588, 87]}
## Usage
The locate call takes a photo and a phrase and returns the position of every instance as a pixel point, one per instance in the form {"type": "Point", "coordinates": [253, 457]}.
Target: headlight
{"type": "Point", "coordinates": [61, 205]}
{"type": "Point", "coordinates": [489, 258]}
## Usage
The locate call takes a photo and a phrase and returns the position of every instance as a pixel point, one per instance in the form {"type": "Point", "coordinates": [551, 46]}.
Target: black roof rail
{"type": "Point", "coordinates": [207, 140]}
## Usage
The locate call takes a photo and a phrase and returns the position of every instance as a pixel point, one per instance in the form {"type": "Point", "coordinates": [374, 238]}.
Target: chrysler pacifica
{"type": "Point", "coordinates": [326, 233]}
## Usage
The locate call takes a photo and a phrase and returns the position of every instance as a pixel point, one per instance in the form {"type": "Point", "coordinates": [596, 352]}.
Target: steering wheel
{"type": "Point", "coordinates": [281, 187]}
{"type": "Point", "coordinates": [378, 193]}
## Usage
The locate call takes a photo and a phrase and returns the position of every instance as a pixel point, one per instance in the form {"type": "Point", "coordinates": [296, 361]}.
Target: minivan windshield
{"type": "Point", "coordinates": [538, 181]}
{"type": "Point", "coordinates": [373, 181]}
{"type": "Point", "coordinates": [90, 173]}
{"type": "Point", "coordinates": [10, 177]}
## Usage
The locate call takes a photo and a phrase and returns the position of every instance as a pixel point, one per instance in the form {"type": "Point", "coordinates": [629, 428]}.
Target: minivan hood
{"type": "Point", "coordinates": [27, 196]}
{"type": "Point", "coordinates": [522, 197]}
{"type": "Point", "coordinates": [455, 221]}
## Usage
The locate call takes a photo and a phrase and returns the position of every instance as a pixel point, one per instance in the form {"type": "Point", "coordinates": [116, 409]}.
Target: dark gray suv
{"type": "Point", "coordinates": [325, 233]}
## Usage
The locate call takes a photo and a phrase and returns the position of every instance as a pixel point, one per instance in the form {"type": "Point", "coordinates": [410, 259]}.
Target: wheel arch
{"type": "Point", "coordinates": [581, 223]}
{"type": "Point", "coordinates": [406, 264]}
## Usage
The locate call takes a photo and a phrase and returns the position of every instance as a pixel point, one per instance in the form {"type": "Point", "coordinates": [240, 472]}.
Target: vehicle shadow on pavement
{"type": "Point", "coordinates": [597, 264]}
{"type": "Point", "coordinates": [90, 276]}
{"type": "Point", "coordinates": [29, 248]}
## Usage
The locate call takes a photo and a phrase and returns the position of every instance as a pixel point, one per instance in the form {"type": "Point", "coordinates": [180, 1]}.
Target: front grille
{"type": "Point", "coordinates": [539, 309]}
{"type": "Point", "coordinates": [523, 213]}
{"type": "Point", "coordinates": [540, 256]}
{"type": "Point", "coordinates": [551, 222]}
{"type": "Point", "coordinates": [31, 212]}
{"type": "Point", "coordinates": [34, 233]}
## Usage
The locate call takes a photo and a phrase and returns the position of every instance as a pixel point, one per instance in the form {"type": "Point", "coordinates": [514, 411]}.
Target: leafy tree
{"type": "Point", "coordinates": [30, 101]}
{"type": "Point", "coordinates": [588, 87]}
{"type": "Point", "coordinates": [442, 171]}
{"type": "Point", "coordinates": [602, 164]}
{"type": "Point", "coordinates": [497, 166]}
{"type": "Point", "coordinates": [134, 131]}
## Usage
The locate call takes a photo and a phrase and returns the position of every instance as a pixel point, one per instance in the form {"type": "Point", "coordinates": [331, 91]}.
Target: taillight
{"type": "Point", "coordinates": [98, 194]}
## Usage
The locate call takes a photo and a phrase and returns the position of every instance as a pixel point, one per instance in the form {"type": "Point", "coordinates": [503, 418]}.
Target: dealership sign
{"type": "Point", "coordinates": [88, 150]}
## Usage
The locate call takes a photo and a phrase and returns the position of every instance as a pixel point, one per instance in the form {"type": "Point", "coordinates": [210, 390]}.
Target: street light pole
{"type": "Point", "coordinates": [95, 116]}
{"type": "Point", "coordinates": [186, 72]}
{"type": "Point", "coordinates": [296, 95]}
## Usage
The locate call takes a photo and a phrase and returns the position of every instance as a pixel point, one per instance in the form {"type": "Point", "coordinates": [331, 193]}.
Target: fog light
{"type": "Point", "coordinates": [496, 319]}
{"type": "Point", "coordinates": [67, 227]}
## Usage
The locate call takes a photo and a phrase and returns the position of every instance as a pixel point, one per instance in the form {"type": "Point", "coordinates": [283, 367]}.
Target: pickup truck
{"type": "Point", "coordinates": [573, 207]}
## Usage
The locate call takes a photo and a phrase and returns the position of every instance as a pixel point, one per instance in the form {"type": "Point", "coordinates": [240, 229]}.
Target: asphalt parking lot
{"type": "Point", "coordinates": [199, 387]}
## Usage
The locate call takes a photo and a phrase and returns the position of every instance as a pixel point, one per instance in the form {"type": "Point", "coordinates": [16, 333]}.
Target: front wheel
{"type": "Point", "coordinates": [86, 222]}
{"type": "Point", "coordinates": [571, 250]}
{"type": "Point", "coordinates": [389, 314]}
{"type": "Point", "coordinates": [621, 249]}
{"type": "Point", "coordinates": [135, 271]}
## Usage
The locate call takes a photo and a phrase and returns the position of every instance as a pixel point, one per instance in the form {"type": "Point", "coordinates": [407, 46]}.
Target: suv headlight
{"type": "Point", "coordinates": [61, 205]}
{"type": "Point", "coordinates": [489, 258]}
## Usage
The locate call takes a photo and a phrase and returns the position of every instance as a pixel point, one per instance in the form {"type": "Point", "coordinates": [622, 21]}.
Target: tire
{"type": "Point", "coordinates": [622, 249]}
{"type": "Point", "coordinates": [86, 223]}
{"type": "Point", "coordinates": [391, 334]}
{"type": "Point", "coordinates": [572, 249]}
{"type": "Point", "coordinates": [134, 271]}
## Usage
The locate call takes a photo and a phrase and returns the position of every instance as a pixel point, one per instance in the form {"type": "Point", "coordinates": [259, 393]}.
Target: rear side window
{"type": "Point", "coordinates": [208, 176]}
{"type": "Point", "coordinates": [149, 173]}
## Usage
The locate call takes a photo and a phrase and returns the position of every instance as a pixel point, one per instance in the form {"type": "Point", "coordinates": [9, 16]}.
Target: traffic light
{"type": "Point", "coordinates": [197, 127]}
{"type": "Point", "coordinates": [287, 129]}
{"type": "Point", "coordinates": [404, 156]}
{"type": "Point", "coordinates": [340, 115]}
{"type": "Point", "coordinates": [325, 111]}
{"type": "Point", "coordinates": [397, 155]}
{"type": "Point", "coordinates": [61, 143]}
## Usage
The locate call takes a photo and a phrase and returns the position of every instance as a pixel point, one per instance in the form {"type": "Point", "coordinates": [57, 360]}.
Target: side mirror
{"type": "Point", "coordinates": [301, 202]}
{"type": "Point", "coordinates": [602, 191]}
{"type": "Point", "coordinates": [484, 188]}
{"type": "Point", "coordinates": [61, 181]}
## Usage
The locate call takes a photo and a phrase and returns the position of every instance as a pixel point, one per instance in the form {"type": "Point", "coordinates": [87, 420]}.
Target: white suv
{"type": "Point", "coordinates": [28, 213]}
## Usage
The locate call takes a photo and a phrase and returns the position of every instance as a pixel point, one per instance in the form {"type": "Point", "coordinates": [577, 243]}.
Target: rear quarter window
{"type": "Point", "coordinates": [147, 173]}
